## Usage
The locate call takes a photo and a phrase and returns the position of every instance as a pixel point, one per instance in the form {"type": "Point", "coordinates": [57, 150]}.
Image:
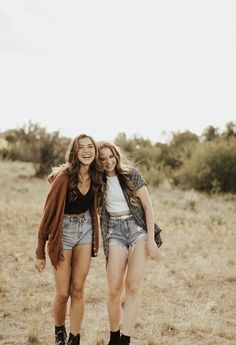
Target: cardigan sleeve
{"type": "Point", "coordinates": [48, 215]}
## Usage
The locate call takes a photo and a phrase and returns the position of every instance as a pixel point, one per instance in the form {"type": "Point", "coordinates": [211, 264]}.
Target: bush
{"type": "Point", "coordinates": [153, 176]}
{"type": "Point", "coordinates": [212, 168]}
{"type": "Point", "coordinates": [32, 143]}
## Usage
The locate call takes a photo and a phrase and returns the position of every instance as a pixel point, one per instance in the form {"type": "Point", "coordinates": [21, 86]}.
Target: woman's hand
{"type": "Point", "coordinates": [40, 264]}
{"type": "Point", "coordinates": [152, 249]}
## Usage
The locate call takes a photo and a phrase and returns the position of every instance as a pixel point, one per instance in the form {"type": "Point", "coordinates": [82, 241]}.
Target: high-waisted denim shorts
{"type": "Point", "coordinates": [125, 232]}
{"type": "Point", "coordinates": [76, 230]}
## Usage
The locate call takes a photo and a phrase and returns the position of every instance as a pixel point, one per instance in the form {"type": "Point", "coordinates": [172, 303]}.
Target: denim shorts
{"type": "Point", "coordinates": [125, 232]}
{"type": "Point", "coordinates": [76, 230]}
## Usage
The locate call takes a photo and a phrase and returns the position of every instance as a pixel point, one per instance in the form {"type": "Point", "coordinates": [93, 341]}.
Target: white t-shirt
{"type": "Point", "coordinates": [116, 201]}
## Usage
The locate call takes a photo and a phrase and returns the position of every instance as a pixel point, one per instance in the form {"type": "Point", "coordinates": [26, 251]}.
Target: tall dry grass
{"type": "Point", "coordinates": [188, 297]}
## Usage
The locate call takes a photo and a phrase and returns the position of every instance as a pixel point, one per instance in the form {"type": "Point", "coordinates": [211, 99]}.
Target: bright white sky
{"type": "Point", "coordinates": [104, 67]}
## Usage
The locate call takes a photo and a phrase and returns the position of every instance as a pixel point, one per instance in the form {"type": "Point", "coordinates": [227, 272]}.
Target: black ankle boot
{"type": "Point", "coordinates": [74, 339]}
{"type": "Point", "coordinates": [124, 340]}
{"type": "Point", "coordinates": [114, 338]}
{"type": "Point", "coordinates": [60, 335]}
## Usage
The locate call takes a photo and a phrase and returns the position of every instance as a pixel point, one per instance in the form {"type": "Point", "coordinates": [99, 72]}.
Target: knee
{"type": "Point", "coordinates": [132, 289]}
{"type": "Point", "coordinates": [62, 297]}
{"type": "Point", "coordinates": [114, 292]}
{"type": "Point", "coordinates": [77, 291]}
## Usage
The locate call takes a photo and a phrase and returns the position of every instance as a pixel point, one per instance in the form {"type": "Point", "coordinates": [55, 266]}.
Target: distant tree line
{"type": "Point", "coordinates": [205, 163]}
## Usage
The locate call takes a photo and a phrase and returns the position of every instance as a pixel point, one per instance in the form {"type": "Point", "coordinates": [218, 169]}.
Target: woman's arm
{"type": "Point", "coordinates": [144, 197]}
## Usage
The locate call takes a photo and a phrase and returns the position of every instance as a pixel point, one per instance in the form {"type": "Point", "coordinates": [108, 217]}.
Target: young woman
{"type": "Point", "coordinates": [129, 238]}
{"type": "Point", "coordinates": [70, 225]}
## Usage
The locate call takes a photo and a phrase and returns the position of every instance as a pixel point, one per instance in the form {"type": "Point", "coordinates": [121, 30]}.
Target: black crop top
{"type": "Point", "coordinates": [81, 204]}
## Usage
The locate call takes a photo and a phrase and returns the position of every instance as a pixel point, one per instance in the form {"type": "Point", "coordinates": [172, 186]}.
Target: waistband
{"type": "Point", "coordinates": [75, 216]}
{"type": "Point", "coordinates": [125, 217]}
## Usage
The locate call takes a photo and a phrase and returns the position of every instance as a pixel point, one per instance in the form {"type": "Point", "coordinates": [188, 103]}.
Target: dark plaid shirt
{"type": "Point", "coordinates": [137, 212]}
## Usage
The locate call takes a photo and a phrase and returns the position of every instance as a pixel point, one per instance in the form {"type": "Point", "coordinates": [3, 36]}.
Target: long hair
{"type": "Point", "coordinates": [72, 167]}
{"type": "Point", "coordinates": [123, 171]}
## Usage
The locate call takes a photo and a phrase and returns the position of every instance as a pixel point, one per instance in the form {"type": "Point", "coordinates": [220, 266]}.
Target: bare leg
{"type": "Point", "coordinates": [116, 268]}
{"type": "Point", "coordinates": [62, 281]}
{"type": "Point", "coordinates": [135, 273]}
{"type": "Point", "coordinates": [80, 266]}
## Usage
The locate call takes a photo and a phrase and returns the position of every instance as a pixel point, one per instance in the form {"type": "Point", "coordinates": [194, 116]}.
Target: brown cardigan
{"type": "Point", "coordinates": [50, 228]}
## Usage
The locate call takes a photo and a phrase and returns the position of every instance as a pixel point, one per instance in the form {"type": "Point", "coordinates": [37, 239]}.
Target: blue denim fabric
{"type": "Point", "coordinates": [76, 230]}
{"type": "Point", "coordinates": [124, 231]}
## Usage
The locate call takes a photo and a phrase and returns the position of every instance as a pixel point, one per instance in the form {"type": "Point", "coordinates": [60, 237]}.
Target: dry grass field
{"type": "Point", "coordinates": [189, 296]}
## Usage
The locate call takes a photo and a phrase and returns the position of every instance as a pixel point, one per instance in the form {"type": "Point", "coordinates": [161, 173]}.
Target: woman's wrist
{"type": "Point", "coordinates": [150, 237]}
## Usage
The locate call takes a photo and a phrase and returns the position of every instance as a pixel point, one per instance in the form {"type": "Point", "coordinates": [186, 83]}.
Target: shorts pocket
{"type": "Point", "coordinates": [140, 229]}
{"type": "Point", "coordinates": [65, 224]}
{"type": "Point", "coordinates": [109, 233]}
{"type": "Point", "coordinates": [112, 223]}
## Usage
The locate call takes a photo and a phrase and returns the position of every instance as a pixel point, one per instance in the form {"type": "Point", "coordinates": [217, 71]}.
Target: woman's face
{"type": "Point", "coordinates": [108, 161]}
{"type": "Point", "coordinates": [86, 151]}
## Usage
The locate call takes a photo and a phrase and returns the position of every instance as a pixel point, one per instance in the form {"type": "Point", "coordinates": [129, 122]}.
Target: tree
{"type": "Point", "coordinates": [230, 130]}
{"type": "Point", "coordinates": [33, 143]}
{"type": "Point", "coordinates": [210, 133]}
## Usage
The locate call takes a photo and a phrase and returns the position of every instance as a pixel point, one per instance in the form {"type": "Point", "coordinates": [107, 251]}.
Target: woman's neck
{"type": "Point", "coordinates": [111, 174]}
{"type": "Point", "coordinates": [84, 173]}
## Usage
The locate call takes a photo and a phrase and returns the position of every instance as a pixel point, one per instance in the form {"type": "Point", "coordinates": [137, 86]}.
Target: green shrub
{"type": "Point", "coordinates": [153, 175]}
{"type": "Point", "coordinates": [212, 167]}
{"type": "Point", "coordinates": [32, 143]}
